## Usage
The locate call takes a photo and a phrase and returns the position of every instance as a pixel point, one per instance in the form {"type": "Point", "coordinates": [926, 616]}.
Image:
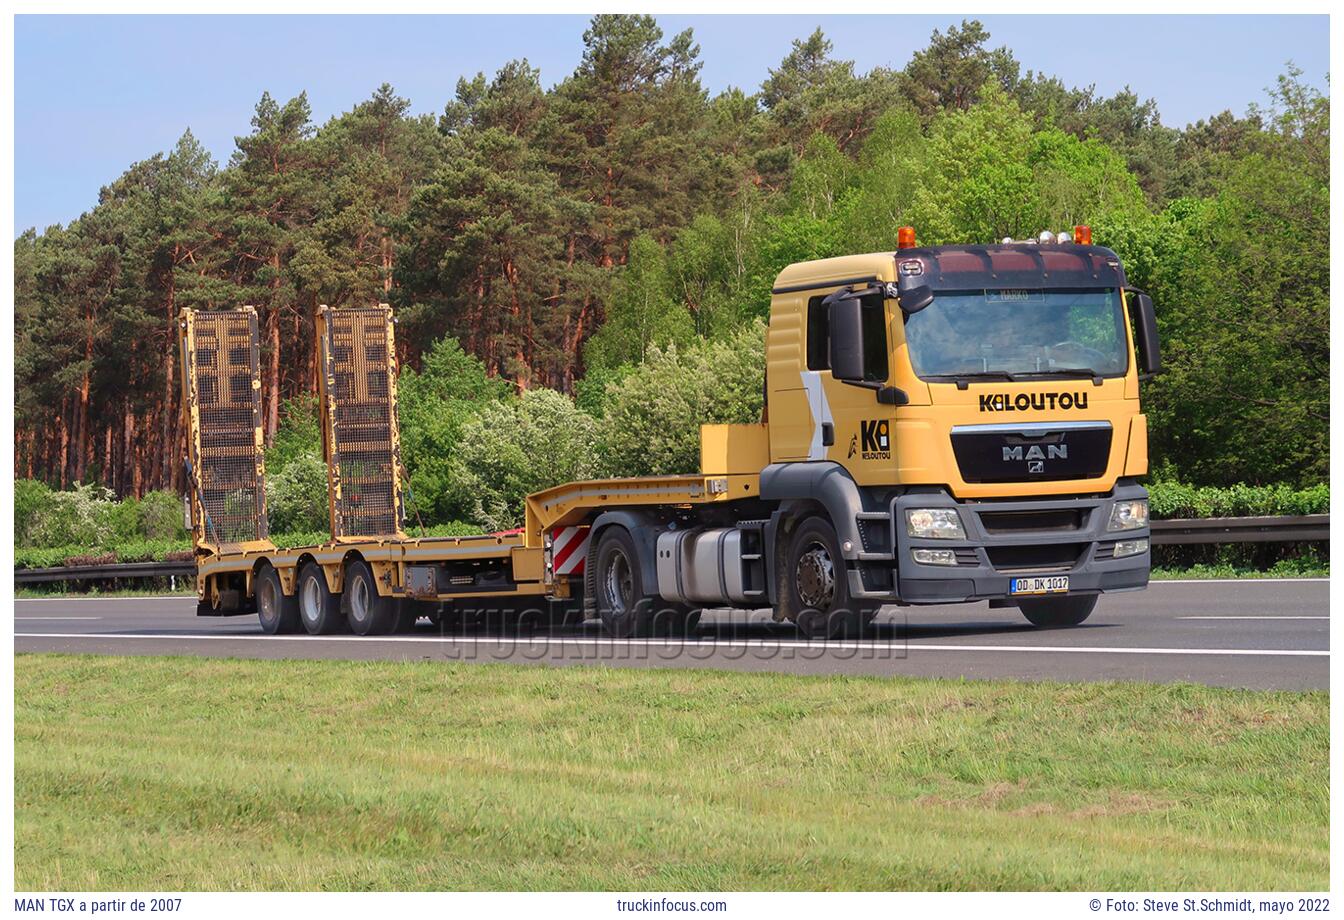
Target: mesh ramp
{"type": "Point", "coordinates": [359, 420]}
{"type": "Point", "coordinates": [222, 396]}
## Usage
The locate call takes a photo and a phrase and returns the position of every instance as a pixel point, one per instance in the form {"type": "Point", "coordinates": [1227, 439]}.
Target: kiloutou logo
{"type": "Point", "coordinates": [1022, 402]}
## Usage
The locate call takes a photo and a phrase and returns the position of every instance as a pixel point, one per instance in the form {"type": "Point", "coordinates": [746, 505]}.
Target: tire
{"type": "Point", "coordinates": [626, 608]}
{"type": "Point", "coordinates": [368, 612]}
{"type": "Point", "coordinates": [818, 585]}
{"type": "Point", "coordinates": [319, 609]}
{"type": "Point", "coordinates": [277, 612]}
{"type": "Point", "coordinates": [1051, 612]}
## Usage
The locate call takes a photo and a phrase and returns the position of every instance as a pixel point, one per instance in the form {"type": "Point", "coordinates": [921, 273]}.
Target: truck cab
{"type": "Point", "coordinates": [969, 418]}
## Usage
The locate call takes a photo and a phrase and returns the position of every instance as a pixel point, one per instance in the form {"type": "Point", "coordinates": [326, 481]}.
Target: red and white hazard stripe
{"type": "Point", "coordinates": [569, 549]}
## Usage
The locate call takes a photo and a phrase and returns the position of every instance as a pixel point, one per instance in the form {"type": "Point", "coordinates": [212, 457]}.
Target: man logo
{"type": "Point", "coordinates": [1035, 455]}
{"type": "Point", "coordinates": [876, 436]}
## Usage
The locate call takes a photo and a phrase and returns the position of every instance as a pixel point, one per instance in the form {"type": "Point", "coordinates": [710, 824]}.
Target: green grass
{"type": "Point", "coordinates": [182, 773]}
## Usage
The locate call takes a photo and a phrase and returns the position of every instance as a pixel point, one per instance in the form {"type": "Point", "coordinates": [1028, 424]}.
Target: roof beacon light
{"type": "Point", "coordinates": [1063, 237]}
{"type": "Point", "coordinates": [1047, 236]}
{"type": "Point", "coordinates": [1082, 235]}
{"type": "Point", "coordinates": [905, 238]}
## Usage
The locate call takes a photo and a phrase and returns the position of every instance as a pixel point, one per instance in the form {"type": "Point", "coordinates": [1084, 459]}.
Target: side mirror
{"type": "Point", "coordinates": [846, 339]}
{"type": "Point", "coordinates": [916, 299]}
{"type": "Point", "coordinates": [1144, 319]}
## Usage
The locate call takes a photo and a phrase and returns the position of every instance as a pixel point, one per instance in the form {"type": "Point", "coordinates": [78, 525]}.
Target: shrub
{"type": "Point", "coordinates": [520, 446]}
{"type": "Point", "coordinates": [653, 416]}
{"type": "Point", "coordinates": [30, 497]}
{"type": "Point", "coordinates": [79, 517]}
{"type": "Point", "coordinates": [296, 496]}
{"type": "Point", "coordinates": [1178, 500]}
{"type": "Point", "coordinates": [433, 405]}
{"type": "Point", "coordinates": [160, 517]}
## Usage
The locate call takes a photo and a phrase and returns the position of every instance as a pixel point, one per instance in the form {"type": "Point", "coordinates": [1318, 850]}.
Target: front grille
{"type": "Point", "coordinates": [998, 523]}
{"type": "Point", "coordinates": [1033, 452]}
{"type": "Point", "coordinates": [1041, 557]}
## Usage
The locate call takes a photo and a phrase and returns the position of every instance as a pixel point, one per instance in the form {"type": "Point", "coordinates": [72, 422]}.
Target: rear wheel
{"type": "Point", "coordinates": [819, 585]}
{"type": "Point", "coordinates": [1048, 612]}
{"type": "Point", "coordinates": [278, 612]}
{"type": "Point", "coordinates": [622, 602]}
{"type": "Point", "coordinates": [369, 613]}
{"type": "Point", "coordinates": [319, 608]}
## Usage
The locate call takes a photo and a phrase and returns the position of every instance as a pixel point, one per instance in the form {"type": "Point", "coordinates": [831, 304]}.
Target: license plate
{"type": "Point", "coordinates": [1053, 584]}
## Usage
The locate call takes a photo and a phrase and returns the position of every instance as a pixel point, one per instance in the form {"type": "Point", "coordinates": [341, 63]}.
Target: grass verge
{"type": "Point", "coordinates": [178, 773]}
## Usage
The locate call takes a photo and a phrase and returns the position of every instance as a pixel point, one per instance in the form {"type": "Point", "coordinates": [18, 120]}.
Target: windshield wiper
{"type": "Point", "coordinates": [966, 375]}
{"type": "Point", "coordinates": [1064, 372]}
{"type": "Point", "coordinates": [963, 380]}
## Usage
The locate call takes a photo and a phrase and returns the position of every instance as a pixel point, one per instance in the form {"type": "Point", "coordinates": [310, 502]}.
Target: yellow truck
{"type": "Point", "coordinates": [941, 425]}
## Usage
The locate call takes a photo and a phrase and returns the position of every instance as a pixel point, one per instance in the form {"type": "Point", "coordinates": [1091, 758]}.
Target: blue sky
{"type": "Point", "coordinates": [94, 94]}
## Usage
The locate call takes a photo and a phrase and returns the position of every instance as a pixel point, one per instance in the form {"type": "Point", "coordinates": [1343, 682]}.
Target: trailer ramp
{"type": "Point", "coordinates": [358, 386]}
{"type": "Point", "coordinates": [222, 400]}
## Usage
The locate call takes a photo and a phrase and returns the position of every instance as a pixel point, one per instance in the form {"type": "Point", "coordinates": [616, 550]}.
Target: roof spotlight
{"type": "Point", "coordinates": [1064, 237]}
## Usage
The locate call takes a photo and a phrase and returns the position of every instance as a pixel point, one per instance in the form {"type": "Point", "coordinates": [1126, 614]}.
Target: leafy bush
{"type": "Point", "coordinates": [653, 417]}
{"type": "Point", "coordinates": [513, 448]}
{"type": "Point", "coordinates": [433, 405]}
{"type": "Point", "coordinates": [30, 496]}
{"type": "Point", "coordinates": [79, 517]}
{"type": "Point", "coordinates": [298, 433]}
{"type": "Point", "coordinates": [1177, 500]}
{"type": "Point", "coordinates": [296, 496]}
{"type": "Point", "coordinates": [160, 517]}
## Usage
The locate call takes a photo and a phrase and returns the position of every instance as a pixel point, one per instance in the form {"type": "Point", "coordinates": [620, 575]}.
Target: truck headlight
{"type": "Point", "coordinates": [1130, 548]}
{"type": "Point", "coordinates": [1129, 515]}
{"type": "Point", "coordinates": [934, 523]}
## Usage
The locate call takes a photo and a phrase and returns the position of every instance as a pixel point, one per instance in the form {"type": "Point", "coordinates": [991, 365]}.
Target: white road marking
{"type": "Point", "coordinates": [58, 618]}
{"type": "Point", "coordinates": [1229, 581]}
{"type": "Point", "coordinates": [1254, 617]}
{"type": "Point", "coordinates": [748, 643]}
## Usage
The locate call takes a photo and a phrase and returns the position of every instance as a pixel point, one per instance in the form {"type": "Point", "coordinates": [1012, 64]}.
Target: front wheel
{"type": "Point", "coordinates": [818, 583]}
{"type": "Point", "coordinates": [1048, 612]}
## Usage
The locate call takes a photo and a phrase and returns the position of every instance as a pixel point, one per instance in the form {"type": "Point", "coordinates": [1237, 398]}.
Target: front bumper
{"type": "Point", "coordinates": [1005, 539]}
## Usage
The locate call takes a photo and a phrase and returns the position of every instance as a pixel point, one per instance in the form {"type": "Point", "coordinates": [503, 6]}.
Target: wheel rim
{"type": "Point", "coordinates": [619, 585]}
{"type": "Point", "coordinates": [815, 577]}
{"type": "Point", "coordinates": [359, 599]}
{"type": "Point", "coordinates": [266, 599]}
{"type": "Point", "coordinates": [312, 600]}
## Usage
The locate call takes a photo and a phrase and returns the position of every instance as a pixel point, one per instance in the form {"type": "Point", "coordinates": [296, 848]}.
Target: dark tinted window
{"type": "Point", "coordinates": [818, 335]}
{"type": "Point", "coordinates": [874, 340]}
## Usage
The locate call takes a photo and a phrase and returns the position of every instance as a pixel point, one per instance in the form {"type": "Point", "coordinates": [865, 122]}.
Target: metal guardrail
{"type": "Point", "coordinates": [115, 570]}
{"type": "Point", "coordinates": [1278, 529]}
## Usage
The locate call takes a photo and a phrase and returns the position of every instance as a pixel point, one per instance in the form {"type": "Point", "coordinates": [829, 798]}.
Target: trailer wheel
{"type": "Point", "coordinates": [369, 613]}
{"type": "Point", "coordinates": [819, 585]}
{"type": "Point", "coordinates": [319, 609]}
{"type": "Point", "coordinates": [624, 605]}
{"type": "Point", "coordinates": [1047, 612]}
{"type": "Point", "coordinates": [278, 612]}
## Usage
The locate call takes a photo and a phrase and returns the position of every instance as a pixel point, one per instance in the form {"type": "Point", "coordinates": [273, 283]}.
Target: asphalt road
{"type": "Point", "coordinates": [1260, 634]}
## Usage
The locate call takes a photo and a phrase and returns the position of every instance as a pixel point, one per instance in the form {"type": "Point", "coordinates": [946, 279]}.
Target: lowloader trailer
{"type": "Point", "coordinates": [942, 425]}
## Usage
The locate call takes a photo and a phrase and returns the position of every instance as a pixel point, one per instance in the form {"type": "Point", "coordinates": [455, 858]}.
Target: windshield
{"type": "Point", "coordinates": [1019, 333]}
